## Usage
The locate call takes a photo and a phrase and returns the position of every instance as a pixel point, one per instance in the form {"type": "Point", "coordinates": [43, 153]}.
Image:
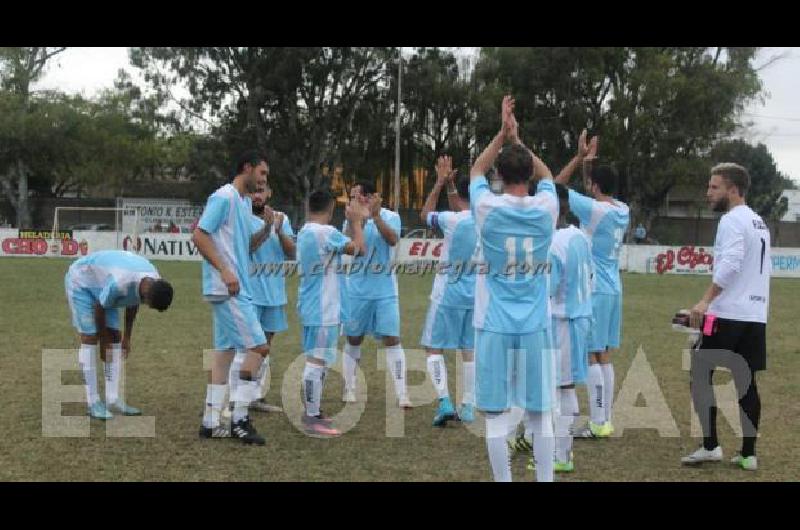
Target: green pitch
{"type": "Point", "coordinates": [165, 378]}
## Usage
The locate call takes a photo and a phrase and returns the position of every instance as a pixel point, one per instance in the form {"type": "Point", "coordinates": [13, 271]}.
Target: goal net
{"type": "Point", "coordinates": [112, 224]}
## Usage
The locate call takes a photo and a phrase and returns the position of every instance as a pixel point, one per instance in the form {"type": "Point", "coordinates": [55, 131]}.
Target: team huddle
{"type": "Point", "coordinates": [542, 315]}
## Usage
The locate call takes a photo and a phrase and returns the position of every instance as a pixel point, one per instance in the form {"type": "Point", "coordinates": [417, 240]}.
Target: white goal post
{"type": "Point", "coordinates": [94, 218]}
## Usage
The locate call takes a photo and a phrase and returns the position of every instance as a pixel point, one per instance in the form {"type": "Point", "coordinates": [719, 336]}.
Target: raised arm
{"type": "Point", "coordinates": [444, 169]}
{"type": "Point", "coordinates": [486, 160]}
{"type": "Point", "coordinates": [355, 216]}
{"type": "Point", "coordinates": [257, 239]}
{"type": "Point", "coordinates": [287, 243]}
{"type": "Point", "coordinates": [583, 149]}
{"type": "Point", "coordinates": [387, 232]}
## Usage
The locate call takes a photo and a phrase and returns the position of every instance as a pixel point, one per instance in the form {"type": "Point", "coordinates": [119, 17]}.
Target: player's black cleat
{"type": "Point", "coordinates": [245, 431]}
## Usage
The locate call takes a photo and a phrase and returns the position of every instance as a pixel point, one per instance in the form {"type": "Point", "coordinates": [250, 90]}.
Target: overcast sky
{"type": "Point", "coordinates": [776, 122]}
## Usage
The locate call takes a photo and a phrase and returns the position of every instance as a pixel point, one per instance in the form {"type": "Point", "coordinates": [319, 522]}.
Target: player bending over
{"type": "Point", "coordinates": [96, 286]}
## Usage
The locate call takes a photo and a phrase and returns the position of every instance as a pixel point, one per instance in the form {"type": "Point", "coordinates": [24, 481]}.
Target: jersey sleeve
{"type": "Point", "coordinates": [109, 294]}
{"type": "Point", "coordinates": [335, 242]}
{"type": "Point", "coordinates": [728, 261]}
{"type": "Point", "coordinates": [394, 223]}
{"type": "Point", "coordinates": [214, 215]}
{"type": "Point", "coordinates": [444, 221]}
{"type": "Point", "coordinates": [581, 206]}
{"type": "Point", "coordinates": [287, 227]}
{"type": "Point", "coordinates": [546, 186]}
{"type": "Point", "coordinates": [478, 189]}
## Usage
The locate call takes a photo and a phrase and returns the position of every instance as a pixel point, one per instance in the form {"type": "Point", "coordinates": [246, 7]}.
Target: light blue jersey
{"type": "Point", "coordinates": [110, 277]}
{"type": "Point", "coordinates": [372, 277]}
{"type": "Point", "coordinates": [227, 219]}
{"type": "Point", "coordinates": [321, 299]}
{"type": "Point", "coordinates": [514, 240]}
{"type": "Point", "coordinates": [571, 274]}
{"type": "Point", "coordinates": [605, 225]}
{"type": "Point", "coordinates": [268, 287]}
{"type": "Point", "coordinates": [454, 286]}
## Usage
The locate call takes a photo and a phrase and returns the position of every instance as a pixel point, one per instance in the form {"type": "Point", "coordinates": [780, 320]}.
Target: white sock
{"type": "Point", "coordinates": [396, 364]}
{"type": "Point", "coordinates": [312, 388]}
{"type": "Point", "coordinates": [113, 373]}
{"type": "Point", "coordinates": [215, 395]}
{"type": "Point", "coordinates": [608, 388]}
{"type": "Point", "coordinates": [469, 383]}
{"type": "Point", "coordinates": [87, 358]}
{"type": "Point", "coordinates": [569, 409]}
{"type": "Point", "coordinates": [594, 386]}
{"type": "Point", "coordinates": [438, 372]}
{"type": "Point", "coordinates": [541, 425]}
{"type": "Point", "coordinates": [263, 378]}
{"type": "Point", "coordinates": [497, 428]}
{"type": "Point", "coordinates": [352, 354]}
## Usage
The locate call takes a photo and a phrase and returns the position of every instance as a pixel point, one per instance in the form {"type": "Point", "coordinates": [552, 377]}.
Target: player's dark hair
{"type": "Point", "coordinates": [606, 179]}
{"type": "Point", "coordinates": [733, 174]}
{"type": "Point", "coordinates": [251, 157]}
{"type": "Point", "coordinates": [462, 185]}
{"type": "Point", "coordinates": [367, 187]}
{"type": "Point", "coordinates": [319, 201]}
{"type": "Point", "coordinates": [515, 165]}
{"type": "Point", "coordinates": [160, 295]}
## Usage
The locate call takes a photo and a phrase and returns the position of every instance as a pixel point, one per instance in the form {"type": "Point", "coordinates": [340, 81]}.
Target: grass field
{"type": "Point", "coordinates": [165, 378]}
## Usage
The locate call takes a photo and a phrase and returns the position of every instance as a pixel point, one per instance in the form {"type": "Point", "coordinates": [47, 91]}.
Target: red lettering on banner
{"type": "Point", "coordinates": [414, 251]}
{"type": "Point", "coordinates": [437, 249]}
{"type": "Point", "coordinates": [424, 249]}
{"type": "Point", "coordinates": [39, 247]}
{"type": "Point", "coordinates": [665, 262]}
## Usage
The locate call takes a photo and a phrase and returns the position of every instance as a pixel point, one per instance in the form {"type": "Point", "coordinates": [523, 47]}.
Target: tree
{"type": "Point", "coordinates": [658, 110]}
{"type": "Point", "coordinates": [297, 105]}
{"type": "Point", "coordinates": [766, 182]}
{"type": "Point", "coordinates": [19, 67]}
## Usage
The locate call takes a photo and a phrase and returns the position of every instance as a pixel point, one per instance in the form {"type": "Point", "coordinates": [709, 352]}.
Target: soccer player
{"type": "Point", "coordinates": [571, 292]}
{"type": "Point", "coordinates": [224, 237]}
{"type": "Point", "coordinates": [448, 324]}
{"type": "Point", "coordinates": [732, 315]}
{"type": "Point", "coordinates": [514, 362]}
{"type": "Point", "coordinates": [96, 286]}
{"type": "Point", "coordinates": [274, 245]}
{"type": "Point", "coordinates": [372, 290]}
{"type": "Point", "coordinates": [322, 296]}
{"type": "Point", "coordinates": [604, 220]}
